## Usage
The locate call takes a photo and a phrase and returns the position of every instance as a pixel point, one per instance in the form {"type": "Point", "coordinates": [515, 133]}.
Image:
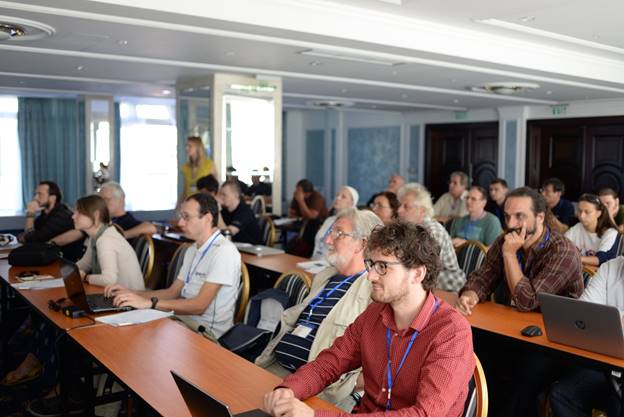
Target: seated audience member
{"type": "Point", "coordinates": [562, 209]}
{"type": "Point", "coordinates": [115, 199]}
{"type": "Point", "coordinates": [307, 203]}
{"type": "Point", "coordinates": [415, 207]}
{"type": "Point", "coordinates": [528, 258]}
{"type": "Point", "coordinates": [596, 235]}
{"type": "Point", "coordinates": [478, 224]}
{"type": "Point", "coordinates": [611, 199]}
{"type": "Point", "coordinates": [345, 198]}
{"type": "Point", "coordinates": [232, 175]}
{"type": "Point", "coordinates": [54, 220]}
{"type": "Point", "coordinates": [452, 204]}
{"type": "Point", "coordinates": [495, 204]}
{"type": "Point", "coordinates": [338, 295]}
{"type": "Point", "coordinates": [239, 219]}
{"type": "Point", "coordinates": [580, 390]}
{"type": "Point", "coordinates": [429, 343]}
{"type": "Point", "coordinates": [259, 187]}
{"type": "Point", "coordinates": [204, 294]}
{"type": "Point", "coordinates": [208, 185]}
{"type": "Point", "coordinates": [385, 205]}
{"type": "Point", "coordinates": [109, 258]}
{"type": "Point", "coordinates": [394, 183]}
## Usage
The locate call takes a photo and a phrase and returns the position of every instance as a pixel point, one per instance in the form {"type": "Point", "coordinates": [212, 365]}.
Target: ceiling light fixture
{"type": "Point", "coordinates": [122, 42]}
{"type": "Point", "coordinates": [166, 91]}
{"type": "Point", "coordinates": [505, 88]}
{"type": "Point", "coordinates": [330, 104]}
{"type": "Point", "coordinates": [345, 56]}
{"type": "Point", "coordinates": [13, 29]}
{"type": "Point", "coordinates": [315, 63]}
{"type": "Point", "coordinates": [527, 19]}
{"type": "Point", "coordinates": [79, 67]}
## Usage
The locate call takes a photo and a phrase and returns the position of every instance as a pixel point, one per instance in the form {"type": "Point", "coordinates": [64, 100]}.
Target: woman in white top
{"type": "Point", "coordinates": [346, 197]}
{"type": "Point", "coordinates": [109, 258]}
{"type": "Point", "coordinates": [596, 235]}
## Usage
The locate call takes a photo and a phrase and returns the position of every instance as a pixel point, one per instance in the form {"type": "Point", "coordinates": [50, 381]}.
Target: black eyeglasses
{"type": "Point", "coordinates": [380, 267]}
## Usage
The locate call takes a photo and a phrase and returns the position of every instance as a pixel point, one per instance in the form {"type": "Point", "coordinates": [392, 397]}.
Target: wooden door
{"type": "Point", "coordinates": [471, 148]}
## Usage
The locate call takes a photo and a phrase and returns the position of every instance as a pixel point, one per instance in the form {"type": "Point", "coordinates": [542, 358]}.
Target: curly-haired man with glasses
{"type": "Point", "coordinates": [415, 350]}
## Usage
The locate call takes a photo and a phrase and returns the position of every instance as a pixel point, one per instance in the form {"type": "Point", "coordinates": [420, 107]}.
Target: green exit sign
{"type": "Point", "coordinates": [559, 109]}
{"type": "Point", "coordinates": [461, 115]}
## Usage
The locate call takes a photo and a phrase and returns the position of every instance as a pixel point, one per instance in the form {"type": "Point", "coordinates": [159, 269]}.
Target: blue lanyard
{"type": "Point", "coordinates": [409, 347]}
{"type": "Point", "coordinates": [320, 298]}
{"type": "Point", "coordinates": [192, 271]}
{"type": "Point", "coordinates": [520, 255]}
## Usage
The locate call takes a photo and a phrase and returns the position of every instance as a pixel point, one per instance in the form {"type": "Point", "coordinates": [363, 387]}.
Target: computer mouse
{"type": "Point", "coordinates": [531, 331]}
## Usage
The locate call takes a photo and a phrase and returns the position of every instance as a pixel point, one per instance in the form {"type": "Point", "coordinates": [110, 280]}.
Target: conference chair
{"type": "Point", "coordinates": [620, 244]}
{"type": "Point", "coordinates": [294, 283]}
{"type": "Point", "coordinates": [587, 272]}
{"type": "Point", "coordinates": [258, 206]}
{"type": "Point", "coordinates": [175, 264]}
{"type": "Point", "coordinates": [243, 295]}
{"type": "Point", "coordinates": [144, 248]}
{"type": "Point", "coordinates": [477, 400]}
{"type": "Point", "coordinates": [470, 255]}
{"type": "Point", "coordinates": [267, 227]}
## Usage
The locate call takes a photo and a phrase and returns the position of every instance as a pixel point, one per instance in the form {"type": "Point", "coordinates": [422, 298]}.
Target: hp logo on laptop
{"type": "Point", "coordinates": [580, 324]}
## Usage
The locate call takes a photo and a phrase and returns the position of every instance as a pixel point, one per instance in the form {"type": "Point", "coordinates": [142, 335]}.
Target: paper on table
{"type": "Point", "coordinates": [134, 317]}
{"type": "Point", "coordinates": [38, 285]}
{"type": "Point", "coordinates": [313, 267]}
{"type": "Point", "coordinates": [283, 221]}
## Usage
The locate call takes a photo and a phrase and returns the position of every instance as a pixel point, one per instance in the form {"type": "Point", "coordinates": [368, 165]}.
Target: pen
{"type": "Point", "coordinates": [124, 324]}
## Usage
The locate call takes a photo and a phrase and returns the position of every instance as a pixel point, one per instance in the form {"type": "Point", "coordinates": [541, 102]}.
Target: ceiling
{"type": "Point", "coordinates": [433, 51]}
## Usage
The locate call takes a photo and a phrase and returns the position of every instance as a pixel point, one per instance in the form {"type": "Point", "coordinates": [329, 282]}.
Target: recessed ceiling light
{"type": "Point", "coordinates": [166, 91]}
{"type": "Point", "coordinates": [189, 90]}
{"type": "Point", "coordinates": [456, 101]}
{"type": "Point", "coordinates": [395, 72]}
{"type": "Point", "coordinates": [79, 67]}
{"type": "Point", "coordinates": [526, 19]}
{"type": "Point", "coordinates": [315, 63]}
{"type": "Point", "coordinates": [404, 95]}
{"type": "Point", "coordinates": [122, 42]}
{"type": "Point", "coordinates": [548, 93]}
{"type": "Point", "coordinates": [22, 82]}
{"type": "Point", "coordinates": [344, 90]}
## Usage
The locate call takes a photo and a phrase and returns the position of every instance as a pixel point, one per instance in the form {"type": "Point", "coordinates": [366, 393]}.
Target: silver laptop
{"type": "Point", "coordinates": [585, 325]}
{"type": "Point", "coordinates": [202, 404]}
{"type": "Point", "coordinates": [260, 250]}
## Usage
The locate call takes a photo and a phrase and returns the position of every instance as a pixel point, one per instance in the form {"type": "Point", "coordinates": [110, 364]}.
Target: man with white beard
{"type": "Point", "coordinates": [338, 295]}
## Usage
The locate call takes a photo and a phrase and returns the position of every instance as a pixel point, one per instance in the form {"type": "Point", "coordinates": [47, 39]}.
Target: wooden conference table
{"type": "Point", "coordinates": [142, 356]}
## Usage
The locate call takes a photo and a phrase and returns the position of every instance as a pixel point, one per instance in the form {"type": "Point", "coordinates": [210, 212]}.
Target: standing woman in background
{"type": "Point", "coordinates": [198, 165]}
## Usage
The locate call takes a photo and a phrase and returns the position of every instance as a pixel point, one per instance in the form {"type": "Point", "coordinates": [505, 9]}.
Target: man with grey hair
{"type": "Point", "coordinates": [452, 204]}
{"type": "Point", "coordinates": [415, 207]}
{"type": "Point", "coordinates": [338, 295]}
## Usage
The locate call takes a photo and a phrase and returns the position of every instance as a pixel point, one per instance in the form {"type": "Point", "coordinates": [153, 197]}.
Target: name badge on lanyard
{"type": "Point", "coordinates": [192, 270]}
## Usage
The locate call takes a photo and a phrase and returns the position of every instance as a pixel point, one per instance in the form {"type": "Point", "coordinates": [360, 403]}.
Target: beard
{"type": "Point", "coordinates": [335, 259]}
{"type": "Point", "coordinates": [530, 231]}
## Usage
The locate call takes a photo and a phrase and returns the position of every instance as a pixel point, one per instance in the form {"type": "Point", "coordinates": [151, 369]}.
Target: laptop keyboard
{"type": "Point", "coordinates": [99, 302]}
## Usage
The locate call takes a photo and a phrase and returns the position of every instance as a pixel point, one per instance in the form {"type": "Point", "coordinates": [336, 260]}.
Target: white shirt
{"type": "Point", "coordinates": [447, 205]}
{"type": "Point", "coordinates": [607, 285]}
{"type": "Point", "coordinates": [217, 261]}
{"type": "Point", "coordinates": [589, 243]}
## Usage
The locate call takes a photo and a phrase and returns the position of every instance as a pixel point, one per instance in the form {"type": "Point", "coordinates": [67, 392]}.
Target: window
{"type": "Point", "coordinates": [148, 146]}
{"type": "Point", "coordinates": [10, 164]}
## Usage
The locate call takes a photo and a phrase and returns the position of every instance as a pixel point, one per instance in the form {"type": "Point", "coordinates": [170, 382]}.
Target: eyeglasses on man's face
{"type": "Point", "coordinates": [337, 234]}
{"type": "Point", "coordinates": [380, 267]}
{"type": "Point", "coordinates": [186, 216]}
{"type": "Point", "coordinates": [378, 206]}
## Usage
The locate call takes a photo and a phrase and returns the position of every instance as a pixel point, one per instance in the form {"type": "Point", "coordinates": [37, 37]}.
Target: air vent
{"type": "Point", "coordinates": [330, 104]}
{"type": "Point", "coordinates": [13, 29]}
{"type": "Point", "coordinates": [505, 88]}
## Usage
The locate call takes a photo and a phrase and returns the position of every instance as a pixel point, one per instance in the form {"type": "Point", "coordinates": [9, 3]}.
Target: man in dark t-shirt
{"type": "Point", "coordinates": [307, 203]}
{"type": "Point", "coordinates": [238, 216]}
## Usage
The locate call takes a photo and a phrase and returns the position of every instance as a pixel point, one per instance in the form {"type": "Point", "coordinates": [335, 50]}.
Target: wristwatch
{"type": "Point", "coordinates": [154, 301]}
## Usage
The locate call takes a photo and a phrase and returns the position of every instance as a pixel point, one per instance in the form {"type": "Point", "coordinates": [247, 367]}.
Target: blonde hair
{"type": "Point", "coordinates": [196, 141]}
{"type": "Point", "coordinates": [422, 197]}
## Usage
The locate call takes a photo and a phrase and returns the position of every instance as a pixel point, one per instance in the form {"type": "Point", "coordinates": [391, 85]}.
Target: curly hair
{"type": "Point", "coordinates": [412, 245]}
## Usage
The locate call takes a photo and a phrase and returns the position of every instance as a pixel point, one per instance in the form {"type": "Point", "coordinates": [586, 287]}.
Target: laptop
{"type": "Point", "coordinates": [202, 404]}
{"type": "Point", "coordinates": [585, 325]}
{"type": "Point", "coordinates": [260, 250]}
{"type": "Point", "coordinates": [92, 303]}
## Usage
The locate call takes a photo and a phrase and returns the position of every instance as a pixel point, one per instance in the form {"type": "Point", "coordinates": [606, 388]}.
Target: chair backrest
{"type": "Point", "coordinates": [294, 283]}
{"type": "Point", "coordinates": [243, 294]}
{"type": "Point", "coordinates": [258, 206]}
{"type": "Point", "coordinates": [477, 400]}
{"type": "Point", "coordinates": [620, 244]}
{"type": "Point", "coordinates": [470, 255]}
{"type": "Point", "coordinates": [175, 264]}
{"type": "Point", "coordinates": [267, 227]}
{"type": "Point", "coordinates": [144, 248]}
